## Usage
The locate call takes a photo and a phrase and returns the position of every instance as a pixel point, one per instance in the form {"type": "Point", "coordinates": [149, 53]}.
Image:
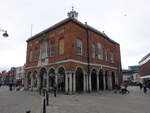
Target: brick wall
{"type": "Point", "coordinates": [145, 69]}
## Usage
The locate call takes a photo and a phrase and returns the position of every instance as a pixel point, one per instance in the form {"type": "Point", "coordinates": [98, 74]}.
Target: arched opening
{"type": "Point", "coordinates": [61, 79]}
{"type": "Point", "coordinates": [101, 82]}
{"type": "Point", "coordinates": [51, 78]}
{"type": "Point", "coordinates": [35, 79]}
{"type": "Point", "coordinates": [113, 80]}
{"type": "Point", "coordinates": [106, 79]}
{"type": "Point", "coordinates": [94, 80]}
{"type": "Point", "coordinates": [43, 78]}
{"type": "Point", "coordinates": [79, 80]}
{"type": "Point", "coordinates": [29, 79]}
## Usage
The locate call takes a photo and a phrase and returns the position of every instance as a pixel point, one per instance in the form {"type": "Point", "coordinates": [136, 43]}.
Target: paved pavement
{"type": "Point", "coordinates": [102, 102]}
{"type": "Point", "coordinates": [19, 101]}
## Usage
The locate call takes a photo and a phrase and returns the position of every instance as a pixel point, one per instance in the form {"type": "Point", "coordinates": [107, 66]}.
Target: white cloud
{"type": "Point", "coordinates": [131, 31]}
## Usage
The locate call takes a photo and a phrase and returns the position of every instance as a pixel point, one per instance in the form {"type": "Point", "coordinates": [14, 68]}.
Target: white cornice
{"type": "Point", "coordinates": [75, 61]}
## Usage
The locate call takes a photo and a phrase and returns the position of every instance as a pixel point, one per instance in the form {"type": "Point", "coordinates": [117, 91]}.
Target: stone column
{"type": "Point", "coordinates": [38, 81]}
{"type": "Point", "coordinates": [32, 81]}
{"type": "Point", "coordinates": [74, 82]}
{"type": "Point", "coordinates": [97, 81]}
{"type": "Point", "coordinates": [70, 83]}
{"type": "Point", "coordinates": [47, 81]}
{"type": "Point", "coordinates": [104, 80]}
{"type": "Point", "coordinates": [109, 81]}
{"type": "Point", "coordinates": [116, 78]}
{"type": "Point", "coordinates": [90, 87]}
{"type": "Point", "coordinates": [56, 78]}
{"type": "Point", "coordinates": [66, 83]}
{"type": "Point", "coordinates": [87, 83]}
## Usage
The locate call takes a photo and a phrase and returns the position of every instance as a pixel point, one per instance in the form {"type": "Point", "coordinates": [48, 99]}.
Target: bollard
{"type": "Point", "coordinates": [44, 106]}
{"type": "Point", "coordinates": [28, 111]}
{"type": "Point", "coordinates": [47, 98]}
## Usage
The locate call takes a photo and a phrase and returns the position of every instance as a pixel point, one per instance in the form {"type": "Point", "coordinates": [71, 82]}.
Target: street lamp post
{"type": "Point", "coordinates": [5, 34]}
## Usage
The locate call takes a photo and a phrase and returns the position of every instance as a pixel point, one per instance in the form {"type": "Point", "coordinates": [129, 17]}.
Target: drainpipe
{"type": "Point", "coordinates": [88, 57]}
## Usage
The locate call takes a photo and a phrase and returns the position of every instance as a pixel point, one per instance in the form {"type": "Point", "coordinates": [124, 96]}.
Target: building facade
{"type": "Point", "coordinates": [131, 74]}
{"type": "Point", "coordinates": [19, 78]}
{"type": "Point", "coordinates": [126, 75]}
{"type": "Point", "coordinates": [145, 65]}
{"type": "Point", "coordinates": [74, 56]}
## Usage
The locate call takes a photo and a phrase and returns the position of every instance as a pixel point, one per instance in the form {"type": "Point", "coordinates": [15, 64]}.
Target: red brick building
{"type": "Point", "coordinates": [75, 56]}
{"type": "Point", "coordinates": [145, 65]}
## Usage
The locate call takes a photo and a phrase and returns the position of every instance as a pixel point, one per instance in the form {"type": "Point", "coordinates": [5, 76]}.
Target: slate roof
{"type": "Point", "coordinates": [75, 21]}
{"type": "Point", "coordinates": [145, 57]}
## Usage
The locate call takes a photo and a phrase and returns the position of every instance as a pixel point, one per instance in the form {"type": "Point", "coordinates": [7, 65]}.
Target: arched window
{"type": "Point", "coordinates": [111, 57]}
{"type": "Point", "coordinates": [106, 56]}
{"type": "Point", "coordinates": [52, 48]}
{"type": "Point", "coordinates": [100, 51]}
{"type": "Point", "coordinates": [93, 50]}
{"type": "Point", "coordinates": [61, 46]}
{"type": "Point", "coordinates": [30, 56]}
{"type": "Point", "coordinates": [43, 49]}
{"type": "Point", "coordinates": [36, 54]}
{"type": "Point", "coordinates": [79, 47]}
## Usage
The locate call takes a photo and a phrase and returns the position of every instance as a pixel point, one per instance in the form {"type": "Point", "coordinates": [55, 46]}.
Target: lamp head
{"type": "Point", "coordinates": [5, 34]}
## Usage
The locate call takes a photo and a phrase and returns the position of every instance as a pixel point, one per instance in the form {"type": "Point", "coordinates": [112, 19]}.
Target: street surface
{"type": "Point", "coordinates": [102, 102]}
{"type": "Point", "coordinates": [18, 101]}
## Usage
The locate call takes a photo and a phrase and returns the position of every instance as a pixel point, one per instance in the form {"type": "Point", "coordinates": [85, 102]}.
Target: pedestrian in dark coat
{"type": "Point", "coordinates": [140, 85]}
{"type": "Point", "coordinates": [55, 89]}
{"type": "Point", "coordinates": [145, 89]}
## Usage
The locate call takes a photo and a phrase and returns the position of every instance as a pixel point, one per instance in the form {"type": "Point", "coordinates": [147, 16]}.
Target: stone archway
{"type": "Point", "coordinates": [61, 79]}
{"type": "Point", "coordinates": [79, 80]}
{"type": "Point", "coordinates": [43, 78]}
{"type": "Point", "coordinates": [101, 80]}
{"type": "Point", "coordinates": [94, 80]}
{"type": "Point", "coordinates": [51, 78]}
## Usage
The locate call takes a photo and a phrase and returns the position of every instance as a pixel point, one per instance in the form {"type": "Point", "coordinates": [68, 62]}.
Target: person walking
{"type": "Point", "coordinates": [140, 85]}
{"type": "Point", "coordinates": [144, 89]}
{"type": "Point", "coordinates": [55, 89]}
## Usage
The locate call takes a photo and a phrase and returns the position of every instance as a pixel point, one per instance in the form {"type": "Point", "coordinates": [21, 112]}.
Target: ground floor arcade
{"type": "Point", "coordinates": [68, 81]}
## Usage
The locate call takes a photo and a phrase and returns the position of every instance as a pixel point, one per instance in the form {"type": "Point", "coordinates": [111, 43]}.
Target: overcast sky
{"type": "Point", "coordinates": [125, 21]}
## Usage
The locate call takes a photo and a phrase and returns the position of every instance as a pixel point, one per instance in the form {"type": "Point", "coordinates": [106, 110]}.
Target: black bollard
{"type": "Point", "coordinates": [44, 106]}
{"type": "Point", "coordinates": [47, 98]}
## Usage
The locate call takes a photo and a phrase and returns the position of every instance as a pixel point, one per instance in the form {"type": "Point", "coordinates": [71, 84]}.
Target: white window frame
{"type": "Point", "coordinates": [52, 49]}
{"type": "Point", "coordinates": [79, 46]}
{"type": "Point", "coordinates": [100, 51]}
{"type": "Point", "coordinates": [93, 50]}
{"type": "Point", "coordinates": [43, 46]}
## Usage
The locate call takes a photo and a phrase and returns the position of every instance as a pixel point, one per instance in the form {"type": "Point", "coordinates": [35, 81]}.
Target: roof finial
{"type": "Point", "coordinates": [72, 8]}
{"type": "Point", "coordinates": [73, 13]}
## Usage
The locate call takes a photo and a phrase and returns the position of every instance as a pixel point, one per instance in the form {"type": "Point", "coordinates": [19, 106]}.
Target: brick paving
{"type": "Point", "coordinates": [102, 102]}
